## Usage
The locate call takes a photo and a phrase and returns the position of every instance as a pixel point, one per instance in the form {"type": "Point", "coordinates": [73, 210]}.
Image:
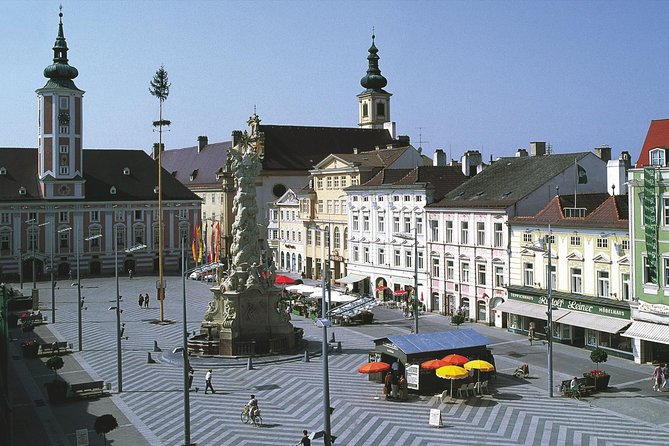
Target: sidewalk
{"type": "Point", "coordinates": [58, 423]}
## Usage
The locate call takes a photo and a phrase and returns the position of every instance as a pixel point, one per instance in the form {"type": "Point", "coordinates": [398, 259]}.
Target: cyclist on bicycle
{"type": "Point", "coordinates": [253, 406]}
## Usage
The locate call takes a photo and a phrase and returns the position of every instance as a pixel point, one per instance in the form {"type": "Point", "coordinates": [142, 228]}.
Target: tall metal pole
{"type": "Point", "coordinates": [79, 321]}
{"type": "Point", "coordinates": [549, 332]}
{"type": "Point", "coordinates": [34, 242]}
{"type": "Point", "coordinates": [185, 346]}
{"type": "Point", "coordinates": [326, 375]}
{"type": "Point", "coordinates": [415, 278]}
{"type": "Point", "coordinates": [53, 283]}
{"type": "Point", "coordinates": [119, 357]}
{"type": "Point", "coordinates": [329, 272]}
{"type": "Point", "coordinates": [161, 290]}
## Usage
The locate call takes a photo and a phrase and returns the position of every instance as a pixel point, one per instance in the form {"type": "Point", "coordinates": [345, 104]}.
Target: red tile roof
{"type": "Point", "coordinates": [657, 136]}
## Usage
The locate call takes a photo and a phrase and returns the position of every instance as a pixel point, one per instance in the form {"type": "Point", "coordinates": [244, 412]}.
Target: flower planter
{"type": "Point", "coordinates": [56, 391]}
{"type": "Point", "coordinates": [601, 383]}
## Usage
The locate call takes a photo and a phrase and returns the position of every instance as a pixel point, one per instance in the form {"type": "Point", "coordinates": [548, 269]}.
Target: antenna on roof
{"type": "Point", "coordinates": [420, 137]}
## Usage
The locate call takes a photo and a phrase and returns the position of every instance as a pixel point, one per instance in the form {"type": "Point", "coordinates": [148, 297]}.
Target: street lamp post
{"type": "Point", "coordinates": [185, 345]}
{"type": "Point", "coordinates": [415, 273]}
{"type": "Point", "coordinates": [53, 283]}
{"type": "Point", "coordinates": [549, 311]}
{"type": "Point", "coordinates": [119, 357]}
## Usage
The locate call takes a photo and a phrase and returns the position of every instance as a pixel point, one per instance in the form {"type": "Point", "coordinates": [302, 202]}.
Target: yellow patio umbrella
{"type": "Point", "coordinates": [452, 372]}
{"type": "Point", "coordinates": [480, 365]}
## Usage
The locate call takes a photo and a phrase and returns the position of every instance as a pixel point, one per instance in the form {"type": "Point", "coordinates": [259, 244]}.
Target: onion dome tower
{"type": "Point", "coordinates": [60, 160]}
{"type": "Point", "coordinates": [374, 101]}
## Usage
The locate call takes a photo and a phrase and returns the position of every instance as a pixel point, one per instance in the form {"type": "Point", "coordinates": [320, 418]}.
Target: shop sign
{"type": "Point", "coordinates": [412, 373]}
{"type": "Point", "coordinates": [573, 305]}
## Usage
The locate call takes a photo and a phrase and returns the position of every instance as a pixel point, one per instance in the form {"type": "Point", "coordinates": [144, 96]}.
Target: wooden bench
{"type": "Point", "coordinates": [54, 347]}
{"type": "Point", "coordinates": [88, 388]}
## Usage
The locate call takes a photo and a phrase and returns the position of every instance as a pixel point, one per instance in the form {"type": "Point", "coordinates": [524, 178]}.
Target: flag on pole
{"type": "Point", "coordinates": [581, 174]}
{"type": "Point", "coordinates": [194, 247]}
{"type": "Point", "coordinates": [199, 243]}
{"type": "Point", "coordinates": [218, 240]}
{"type": "Point", "coordinates": [205, 248]}
{"type": "Point", "coordinates": [212, 245]}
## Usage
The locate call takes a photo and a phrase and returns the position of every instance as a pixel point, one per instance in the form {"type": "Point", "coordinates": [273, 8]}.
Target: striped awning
{"type": "Point", "coordinates": [529, 309]}
{"type": "Point", "coordinates": [593, 321]}
{"type": "Point", "coordinates": [648, 331]}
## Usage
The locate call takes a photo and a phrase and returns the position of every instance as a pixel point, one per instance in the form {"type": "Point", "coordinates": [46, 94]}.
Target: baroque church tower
{"type": "Point", "coordinates": [60, 163]}
{"type": "Point", "coordinates": [374, 102]}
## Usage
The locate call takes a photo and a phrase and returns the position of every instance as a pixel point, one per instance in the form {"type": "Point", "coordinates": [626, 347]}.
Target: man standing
{"type": "Point", "coordinates": [304, 441]}
{"type": "Point", "coordinates": [207, 381]}
{"type": "Point", "coordinates": [146, 301]}
{"type": "Point", "coordinates": [191, 373]}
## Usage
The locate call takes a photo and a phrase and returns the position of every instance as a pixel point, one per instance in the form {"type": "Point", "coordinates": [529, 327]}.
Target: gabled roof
{"type": "Point", "coordinates": [374, 158]}
{"type": "Point", "coordinates": [657, 136]}
{"type": "Point", "coordinates": [508, 180]}
{"type": "Point", "coordinates": [441, 179]}
{"type": "Point", "coordinates": [20, 166]}
{"type": "Point", "coordinates": [602, 211]}
{"type": "Point", "coordinates": [300, 148]}
{"type": "Point", "coordinates": [181, 163]}
{"type": "Point", "coordinates": [103, 169]}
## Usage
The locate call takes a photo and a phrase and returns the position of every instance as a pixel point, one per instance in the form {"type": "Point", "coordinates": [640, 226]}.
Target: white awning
{"type": "Point", "coordinates": [648, 331]}
{"type": "Point", "coordinates": [594, 321]}
{"type": "Point", "coordinates": [528, 309]}
{"type": "Point", "coordinates": [336, 296]}
{"type": "Point", "coordinates": [351, 278]}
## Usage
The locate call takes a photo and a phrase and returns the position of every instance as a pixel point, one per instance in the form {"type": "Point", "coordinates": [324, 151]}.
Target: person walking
{"type": "Point", "coordinates": [304, 441]}
{"type": "Point", "coordinates": [207, 382]}
{"type": "Point", "coordinates": [657, 378]}
{"type": "Point", "coordinates": [141, 300]}
{"type": "Point", "coordinates": [387, 383]}
{"type": "Point", "coordinates": [130, 273]}
{"type": "Point", "coordinates": [146, 300]}
{"type": "Point", "coordinates": [665, 376]}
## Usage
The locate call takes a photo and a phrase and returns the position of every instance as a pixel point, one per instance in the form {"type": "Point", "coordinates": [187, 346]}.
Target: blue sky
{"type": "Point", "coordinates": [487, 75]}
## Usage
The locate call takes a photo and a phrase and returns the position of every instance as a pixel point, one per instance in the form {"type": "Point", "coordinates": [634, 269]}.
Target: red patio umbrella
{"type": "Point", "coordinates": [374, 367]}
{"type": "Point", "coordinates": [381, 288]}
{"type": "Point", "coordinates": [283, 280]}
{"type": "Point", "coordinates": [434, 364]}
{"type": "Point", "coordinates": [455, 359]}
{"type": "Point", "coordinates": [400, 292]}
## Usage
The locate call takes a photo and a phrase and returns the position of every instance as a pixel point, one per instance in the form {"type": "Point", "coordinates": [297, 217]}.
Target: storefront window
{"type": "Point", "coordinates": [612, 341]}
{"type": "Point", "coordinates": [465, 307]}
{"type": "Point", "coordinates": [482, 311]}
{"type": "Point", "coordinates": [514, 321]}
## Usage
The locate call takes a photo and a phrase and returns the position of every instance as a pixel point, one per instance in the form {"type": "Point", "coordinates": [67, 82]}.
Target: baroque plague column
{"type": "Point", "coordinates": [246, 314]}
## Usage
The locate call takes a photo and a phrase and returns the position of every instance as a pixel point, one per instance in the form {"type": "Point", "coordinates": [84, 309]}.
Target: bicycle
{"type": "Point", "coordinates": [253, 417]}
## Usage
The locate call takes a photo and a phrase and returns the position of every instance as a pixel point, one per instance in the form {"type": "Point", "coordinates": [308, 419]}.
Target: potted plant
{"type": "Point", "coordinates": [457, 320]}
{"type": "Point", "coordinates": [27, 325]}
{"type": "Point", "coordinates": [599, 378]}
{"type": "Point", "coordinates": [56, 389]}
{"type": "Point", "coordinates": [29, 347]}
{"type": "Point", "coordinates": [105, 424]}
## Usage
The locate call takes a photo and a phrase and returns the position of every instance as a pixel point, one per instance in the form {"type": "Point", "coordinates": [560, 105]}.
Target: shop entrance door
{"type": "Point", "coordinates": [578, 336]}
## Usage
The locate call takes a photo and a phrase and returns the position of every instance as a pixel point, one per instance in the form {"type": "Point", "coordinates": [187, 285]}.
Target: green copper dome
{"type": "Point", "coordinates": [374, 80]}
{"type": "Point", "coordinates": [60, 74]}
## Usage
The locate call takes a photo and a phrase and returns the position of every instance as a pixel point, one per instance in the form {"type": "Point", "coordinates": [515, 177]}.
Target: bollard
{"type": "Point", "coordinates": [339, 347]}
{"type": "Point", "coordinates": [155, 347]}
{"type": "Point", "coordinates": [249, 364]}
{"type": "Point", "coordinates": [306, 356]}
{"type": "Point", "coordinates": [333, 337]}
{"type": "Point", "coordinates": [150, 359]}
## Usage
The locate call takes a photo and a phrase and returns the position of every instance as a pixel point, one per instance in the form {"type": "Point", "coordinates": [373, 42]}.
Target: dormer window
{"type": "Point", "coordinates": [3, 171]}
{"type": "Point", "coordinates": [126, 171]}
{"type": "Point", "coordinates": [22, 190]}
{"type": "Point", "coordinates": [112, 190]}
{"type": "Point", "coordinates": [193, 175]}
{"type": "Point", "coordinates": [657, 157]}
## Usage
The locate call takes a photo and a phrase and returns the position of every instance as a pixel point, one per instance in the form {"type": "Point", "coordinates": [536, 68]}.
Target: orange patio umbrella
{"type": "Point", "coordinates": [433, 364]}
{"type": "Point", "coordinates": [374, 367]}
{"type": "Point", "coordinates": [455, 359]}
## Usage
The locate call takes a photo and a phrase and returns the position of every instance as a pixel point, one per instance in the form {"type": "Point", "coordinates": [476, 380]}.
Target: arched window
{"type": "Point", "coordinates": [337, 238]}
{"type": "Point", "coordinates": [381, 109]}
{"type": "Point", "coordinates": [139, 234]}
{"type": "Point", "coordinates": [293, 265]}
{"type": "Point", "coordinates": [94, 243]}
{"type": "Point", "coordinates": [346, 238]}
{"type": "Point", "coordinates": [365, 110]}
{"type": "Point", "coordinates": [5, 241]}
{"type": "Point", "coordinates": [119, 230]}
{"type": "Point", "coordinates": [283, 263]}
{"type": "Point", "coordinates": [299, 263]}
{"type": "Point", "coordinates": [657, 157]}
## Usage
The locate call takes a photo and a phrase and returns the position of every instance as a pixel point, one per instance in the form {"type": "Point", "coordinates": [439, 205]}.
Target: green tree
{"type": "Point", "coordinates": [598, 355]}
{"type": "Point", "coordinates": [160, 85]}
{"type": "Point", "coordinates": [105, 424]}
{"type": "Point", "coordinates": [457, 319]}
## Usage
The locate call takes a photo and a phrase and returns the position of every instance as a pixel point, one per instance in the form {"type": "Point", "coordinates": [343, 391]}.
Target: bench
{"type": "Point", "coordinates": [583, 388]}
{"type": "Point", "coordinates": [54, 347]}
{"type": "Point", "coordinates": [88, 388]}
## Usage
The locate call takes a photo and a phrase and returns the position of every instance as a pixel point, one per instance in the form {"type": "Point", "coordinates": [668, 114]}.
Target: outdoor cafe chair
{"type": "Point", "coordinates": [444, 396]}
{"type": "Point", "coordinates": [463, 389]}
{"type": "Point", "coordinates": [471, 387]}
{"type": "Point", "coordinates": [483, 386]}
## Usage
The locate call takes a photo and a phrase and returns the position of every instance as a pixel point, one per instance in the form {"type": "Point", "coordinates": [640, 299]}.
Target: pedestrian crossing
{"type": "Point", "coordinates": [290, 395]}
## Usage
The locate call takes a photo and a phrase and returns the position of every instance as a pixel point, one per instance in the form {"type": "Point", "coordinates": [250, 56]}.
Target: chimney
{"type": "Point", "coordinates": [155, 149]}
{"type": "Point", "coordinates": [626, 159]}
{"type": "Point", "coordinates": [202, 142]}
{"type": "Point", "coordinates": [355, 150]}
{"type": "Point", "coordinates": [404, 140]}
{"type": "Point", "coordinates": [470, 160]}
{"type": "Point", "coordinates": [538, 148]}
{"type": "Point", "coordinates": [390, 126]}
{"type": "Point", "coordinates": [439, 158]}
{"type": "Point", "coordinates": [521, 153]}
{"type": "Point", "coordinates": [236, 137]}
{"type": "Point", "coordinates": [603, 152]}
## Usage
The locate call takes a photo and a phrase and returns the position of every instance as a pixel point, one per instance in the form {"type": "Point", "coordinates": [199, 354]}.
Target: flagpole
{"type": "Point", "coordinates": [576, 183]}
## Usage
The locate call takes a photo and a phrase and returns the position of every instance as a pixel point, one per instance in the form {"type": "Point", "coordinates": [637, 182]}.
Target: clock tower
{"type": "Point", "coordinates": [60, 155]}
{"type": "Point", "coordinates": [374, 102]}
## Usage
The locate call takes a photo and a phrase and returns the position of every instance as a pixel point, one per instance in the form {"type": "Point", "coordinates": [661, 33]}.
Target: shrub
{"type": "Point", "coordinates": [55, 363]}
{"type": "Point", "coordinates": [598, 356]}
{"type": "Point", "coordinates": [105, 424]}
{"type": "Point", "coordinates": [457, 319]}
